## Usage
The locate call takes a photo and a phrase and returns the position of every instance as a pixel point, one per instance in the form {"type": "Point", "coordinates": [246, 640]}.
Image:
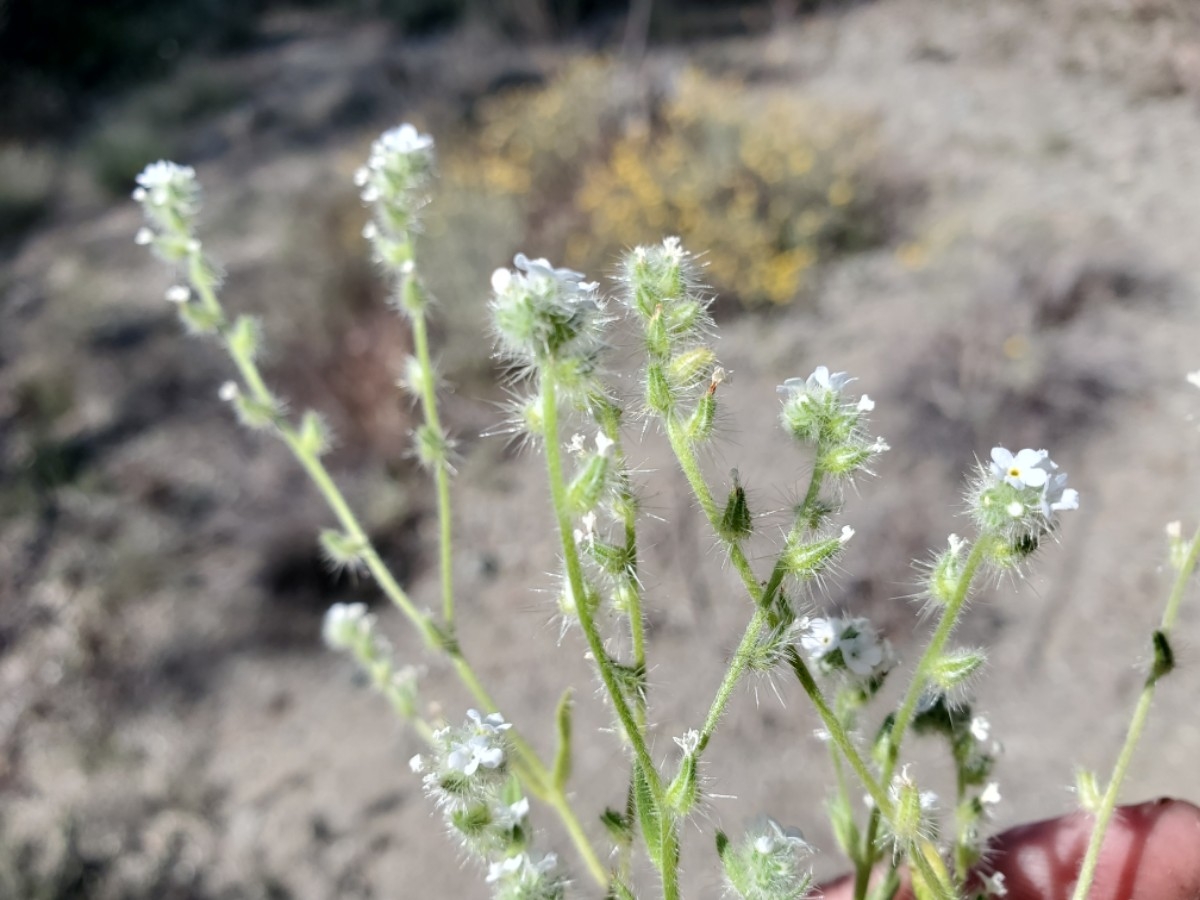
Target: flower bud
{"type": "Point", "coordinates": [736, 522]}
{"type": "Point", "coordinates": [954, 669]}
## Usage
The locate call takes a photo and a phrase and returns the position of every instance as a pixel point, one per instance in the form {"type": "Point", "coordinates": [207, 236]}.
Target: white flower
{"type": "Point", "coordinates": [405, 139]}
{"type": "Point", "coordinates": [1056, 496]}
{"type": "Point", "coordinates": [159, 180]}
{"type": "Point", "coordinates": [861, 648]}
{"type": "Point", "coordinates": [229, 391]}
{"type": "Point", "coordinates": [143, 236]}
{"type": "Point", "coordinates": [865, 403]}
{"type": "Point", "coordinates": [821, 378]}
{"type": "Point", "coordinates": [498, 870]}
{"type": "Point", "coordinates": [488, 726]}
{"type": "Point", "coordinates": [1194, 378]}
{"type": "Point", "coordinates": [990, 795]}
{"type": "Point", "coordinates": [847, 533]}
{"type": "Point", "coordinates": [178, 294]}
{"type": "Point", "coordinates": [1026, 469]}
{"type": "Point", "coordinates": [344, 624]}
{"type": "Point", "coordinates": [603, 443]}
{"type": "Point", "coordinates": [511, 815]}
{"type": "Point", "coordinates": [501, 279]}
{"type": "Point", "coordinates": [541, 269]}
{"type": "Point", "coordinates": [417, 764]}
{"type": "Point", "coordinates": [821, 637]}
{"type": "Point", "coordinates": [466, 757]}
{"type": "Point", "coordinates": [689, 742]}
{"type": "Point", "coordinates": [767, 836]}
{"type": "Point", "coordinates": [994, 886]}
{"type": "Point", "coordinates": [981, 728]}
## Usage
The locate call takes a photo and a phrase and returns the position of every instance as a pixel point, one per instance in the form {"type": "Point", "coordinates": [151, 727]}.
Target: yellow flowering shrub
{"type": "Point", "coordinates": [772, 184]}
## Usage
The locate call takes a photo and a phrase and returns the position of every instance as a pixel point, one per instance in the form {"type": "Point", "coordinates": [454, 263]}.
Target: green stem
{"type": "Point", "coordinates": [933, 651]}
{"type": "Point", "coordinates": [529, 768]}
{"type": "Point", "coordinates": [441, 472]}
{"type": "Point", "coordinates": [908, 706]}
{"type": "Point", "coordinates": [575, 582]}
{"type": "Point", "coordinates": [737, 667]}
{"type": "Point", "coordinates": [1087, 871]}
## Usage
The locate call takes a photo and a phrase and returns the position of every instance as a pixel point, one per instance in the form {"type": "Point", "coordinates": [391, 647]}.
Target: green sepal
{"type": "Point", "coordinates": [244, 338]}
{"type": "Point", "coordinates": [619, 827]}
{"type": "Point", "coordinates": [1164, 657]}
{"type": "Point", "coordinates": [313, 437]}
{"type": "Point", "coordinates": [562, 756]}
{"type": "Point", "coordinates": [736, 522]}
{"type": "Point", "coordinates": [648, 813]}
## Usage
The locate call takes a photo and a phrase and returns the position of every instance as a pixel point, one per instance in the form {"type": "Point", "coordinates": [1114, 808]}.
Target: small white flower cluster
{"type": "Point", "coordinates": [395, 181]}
{"type": "Point", "coordinates": [851, 644]}
{"type": "Point", "coordinates": [1035, 469]}
{"type": "Point", "coordinates": [466, 775]}
{"type": "Point", "coordinates": [766, 864]}
{"type": "Point", "coordinates": [480, 744]}
{"type": "Point", "coordinates": [816, 411]}
{"type": "Point", "coordinates": [520, 877]}
{"type": "Point", "coordinates": [544, 314]}
{"type": "Point", "coordinates": [1017, 497]}
{"type": "Point", "coordinates": [170, 198]}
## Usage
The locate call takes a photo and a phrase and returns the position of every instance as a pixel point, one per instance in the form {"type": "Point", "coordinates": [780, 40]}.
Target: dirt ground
{"type": "Point", "coordinates": [171, 725]}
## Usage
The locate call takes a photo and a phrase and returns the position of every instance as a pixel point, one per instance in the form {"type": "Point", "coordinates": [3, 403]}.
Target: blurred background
{"type": "Point", "coordinates": [988, 212]}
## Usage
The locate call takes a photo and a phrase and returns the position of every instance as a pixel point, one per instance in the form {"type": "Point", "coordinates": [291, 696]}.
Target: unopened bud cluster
{"type": "Point", "coordinates": [661, 288]}
{"type": "Point", "coordinates": [348, 627]}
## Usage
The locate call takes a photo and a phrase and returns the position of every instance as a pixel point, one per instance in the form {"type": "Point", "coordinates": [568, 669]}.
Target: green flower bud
{"type": "Point", "coordinates": [954, 669]}
{"type": "Point", "coordinates": [736, 522]}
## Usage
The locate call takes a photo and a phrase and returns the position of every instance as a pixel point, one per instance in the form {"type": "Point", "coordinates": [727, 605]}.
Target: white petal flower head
{"type": "Point", "coordinates": [344, 624]}
{"type": "Point", "coordinates": [990, 795]}
{"type": "Point", "coordinates": [861, 647]}
{"type": "Point", "coordinates": [541, 269]}
{"type": "Point", "coordinates": [488, 726]}
{"type": "Point", "coordinates": [466, 757]}
{"type": "Point", "coordinates": [981, 728]}
{"type": "Point", "coordinates": [159, 180]}
{"type": "Point", "coordinates": [1024, 469]}
{"type": "Point", "coordinates": [994, 886]}
{"type": "Point", "coordinates": [1194, 378]}
{"type": "Point", "coordinates": [1056, 496]}
{"type": "Point", "coordinates": [511, 815]}
{"type": "Point", "coordinates": [821, 638]}
{"type": "Point", "coordinates": [405, 139]}
{"type": "Point", "coordinates": [823, 380]}
{"type": "Point", "coordinates": [767, 836]}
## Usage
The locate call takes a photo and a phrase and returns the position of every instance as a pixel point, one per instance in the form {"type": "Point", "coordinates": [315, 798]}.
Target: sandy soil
{"type": "Point", "coordinates": [161, 679]}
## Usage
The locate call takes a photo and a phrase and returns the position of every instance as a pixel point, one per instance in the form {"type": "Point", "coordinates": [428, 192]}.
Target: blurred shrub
{"type": "Point", "coordinates": [772, 184]}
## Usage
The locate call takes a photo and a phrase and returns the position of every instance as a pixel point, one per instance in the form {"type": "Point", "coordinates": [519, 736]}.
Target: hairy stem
{"type": "Point", "coordinates": [575, 582]}
{"type": "Point", "coordinates": [529, 768]}
{"type": "Point", "coordinates": [1087, 871]}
